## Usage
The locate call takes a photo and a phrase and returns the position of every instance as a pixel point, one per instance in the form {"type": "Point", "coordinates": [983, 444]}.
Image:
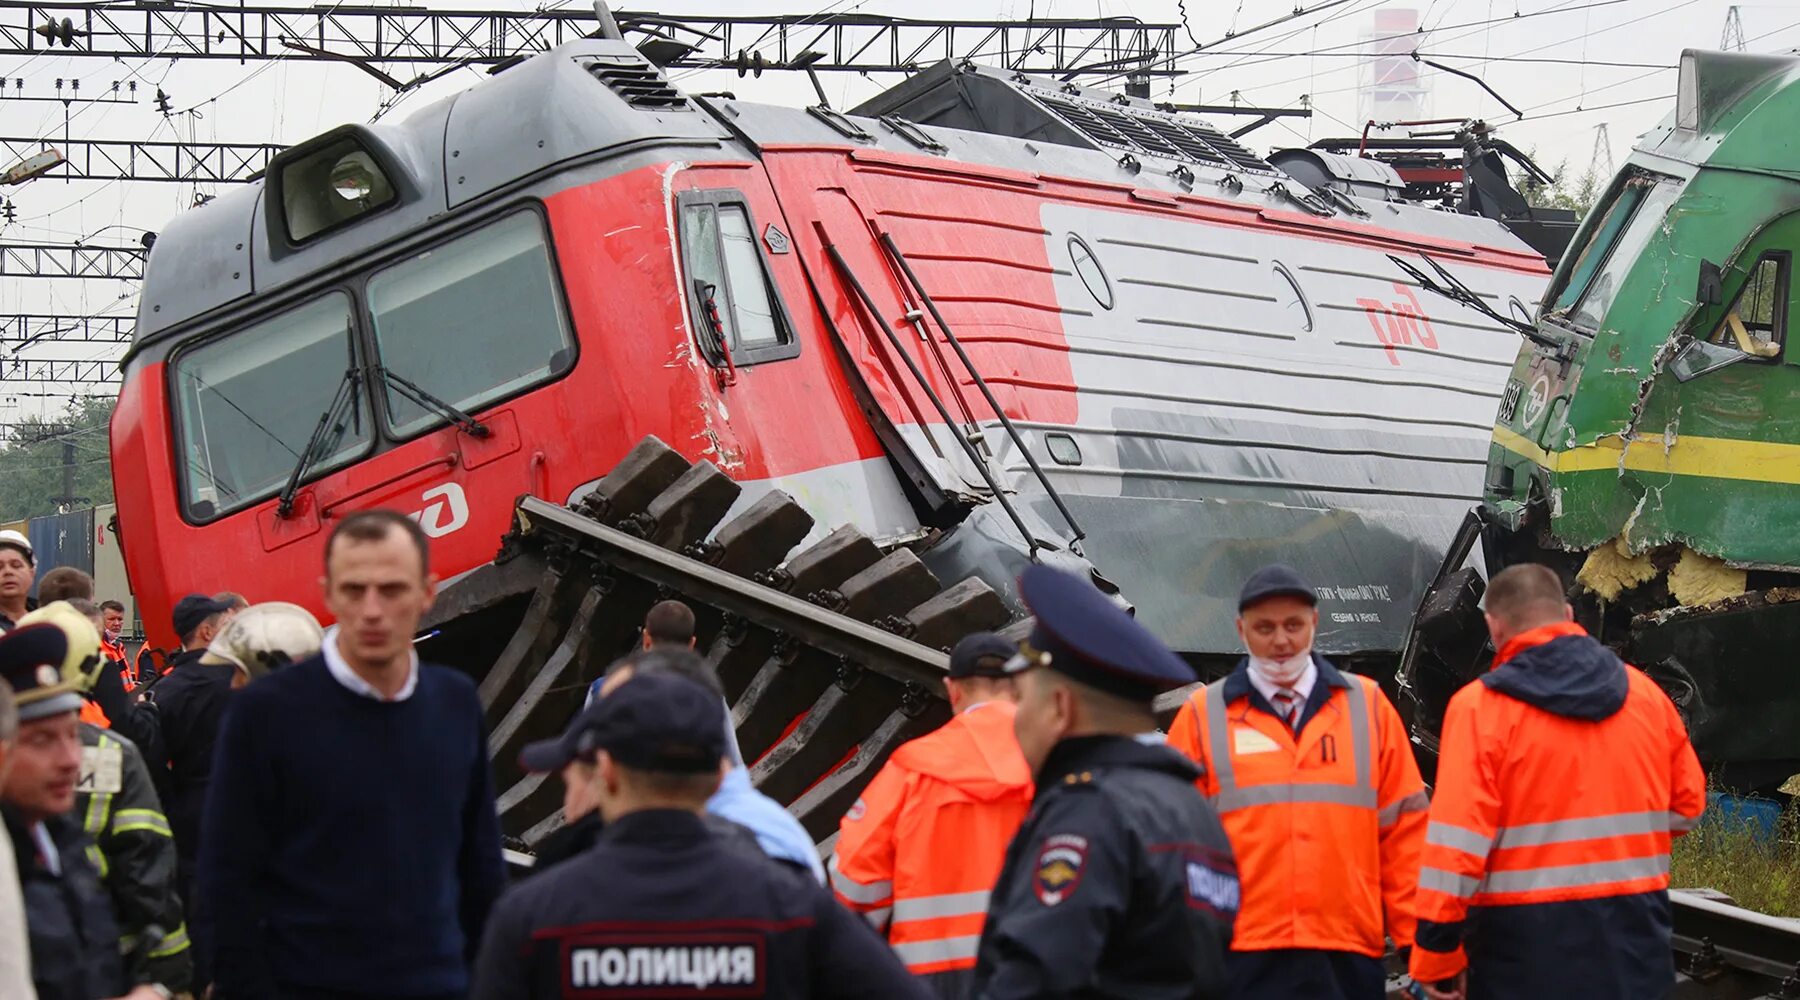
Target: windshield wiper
{"type": "Point", "coordinates": [425, 400]}
{"type": "Point", "coordinates": [1454, 290]}
{"type": "Point", "coordinates": [330, 422]}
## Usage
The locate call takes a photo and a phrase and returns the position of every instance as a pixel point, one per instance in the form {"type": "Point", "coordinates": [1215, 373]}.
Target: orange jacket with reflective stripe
{"type": "Point", "coordinates": [1563, 775]}
{"type": "Point", "coordinates": [1327, 826]}
{"type": "Point", "coordinates": [918, 853]}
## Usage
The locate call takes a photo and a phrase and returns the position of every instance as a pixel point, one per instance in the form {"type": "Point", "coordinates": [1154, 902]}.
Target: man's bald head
{"type": "Point", "coordinates": [1521, 598]}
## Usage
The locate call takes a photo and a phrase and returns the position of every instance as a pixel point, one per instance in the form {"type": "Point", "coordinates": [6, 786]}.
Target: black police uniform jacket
{"type": "Point", "coordinates": [74, 941]}
{"type": "Point", "coordinates": [1120, 882]}
{"type": "Point", "coordinates": [661, 906]}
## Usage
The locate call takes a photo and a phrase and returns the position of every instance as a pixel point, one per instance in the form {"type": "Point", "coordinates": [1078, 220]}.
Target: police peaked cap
{"type": "Point", "coordinates": [1082, 634]}
{"type": "Point", "coordinates": [31, 661]}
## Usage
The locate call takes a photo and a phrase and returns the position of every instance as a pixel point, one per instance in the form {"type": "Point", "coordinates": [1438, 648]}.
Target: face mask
{"type": "Point", "coordinates": [1282, 673]}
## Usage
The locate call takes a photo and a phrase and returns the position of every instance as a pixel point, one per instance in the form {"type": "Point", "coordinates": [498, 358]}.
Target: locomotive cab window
{"type": "Point", "coordinates": [1752, 328]}
{"type": "Point", "coordinates": [738, 315]}
{"type": "Point", "coordinates": [469, 322]}
{"type": "Point", "coordinates": [1616, 237]}
{"type": "Point", "coordinates": [248, 403]}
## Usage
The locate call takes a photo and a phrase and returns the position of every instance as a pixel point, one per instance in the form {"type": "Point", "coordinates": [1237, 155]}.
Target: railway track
{"type": "Point", "coordinates": [831, 657]}
{"type": "Point", "coordinates": [1726, 952]}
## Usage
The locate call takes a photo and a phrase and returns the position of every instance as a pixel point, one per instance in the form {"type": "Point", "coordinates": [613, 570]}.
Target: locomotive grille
{"type": "Point", "coordinates": [1176, 137]}
{"type": "Point", "coordinates": [637, 85]}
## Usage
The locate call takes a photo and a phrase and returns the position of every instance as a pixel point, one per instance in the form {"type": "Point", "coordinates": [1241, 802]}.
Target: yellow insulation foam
{"type": "Point", "coordinates": [1611, 569]}
{"type": "Point", "coordinates": [1699, 579]}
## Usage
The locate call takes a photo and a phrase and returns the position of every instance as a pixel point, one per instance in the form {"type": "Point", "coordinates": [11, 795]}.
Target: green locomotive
{"type": "Point", "coordinates": [1648, 441]}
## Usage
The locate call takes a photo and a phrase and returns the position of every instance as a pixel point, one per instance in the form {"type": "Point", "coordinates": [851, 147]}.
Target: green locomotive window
{"type": "Point", "coordinates": [736, 306]}
{"type": "Point", "coordinates": [1754, 324]}
{"type": "Point", "coordinates": [248, 403]}
{"type": "Point", "coordinates": [474, 320]}
{"type": "Point", "coordinates": [1605, 232]}
{"type": "Point", "coordinates": [1629, 222]}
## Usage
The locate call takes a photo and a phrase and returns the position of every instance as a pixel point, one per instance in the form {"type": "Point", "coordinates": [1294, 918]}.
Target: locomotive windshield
{"type": "Point", "coordinates": [1624, 227]}
{"type": "Point", "coordinates": [249, 403]}
{"type": "Point", "coordinates": [470, 322]}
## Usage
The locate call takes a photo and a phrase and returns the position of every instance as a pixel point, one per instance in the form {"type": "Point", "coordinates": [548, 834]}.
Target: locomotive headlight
{"type": "Point", "coordinates": [353, 177]}
{"type": "Point", "coordinates": [334, 184]}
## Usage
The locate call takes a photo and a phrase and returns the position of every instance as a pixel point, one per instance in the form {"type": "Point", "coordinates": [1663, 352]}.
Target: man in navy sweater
{"type": "Point", "coordinates": [350, 847]}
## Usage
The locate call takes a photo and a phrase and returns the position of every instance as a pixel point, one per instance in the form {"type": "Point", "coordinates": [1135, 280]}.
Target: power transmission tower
{"type": "Point", "coordinates": [1732, 38]}
{"type": "Point", "coordinates": [1602, 158]}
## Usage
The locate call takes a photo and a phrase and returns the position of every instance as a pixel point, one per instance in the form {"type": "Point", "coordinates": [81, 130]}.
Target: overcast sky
{"type": "Point", "coordinates": [1590, 59]}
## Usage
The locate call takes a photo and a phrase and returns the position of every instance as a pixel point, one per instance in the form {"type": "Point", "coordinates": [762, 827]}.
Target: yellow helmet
{"type": "Point", "coordinates": [81, 666]}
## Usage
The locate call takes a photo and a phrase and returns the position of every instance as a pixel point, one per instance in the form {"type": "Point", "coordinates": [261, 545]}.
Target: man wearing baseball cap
{"type": "Point", "coordinates": [934, 824]}
{"type": "Point", "coordinates": [1312, 773]}
{"type": "Point", "coordinates": [658, 906]}
{"type": "Point", "coordinates": [74, 939]}
{"type": "Point", "coordinates": [18, 567]}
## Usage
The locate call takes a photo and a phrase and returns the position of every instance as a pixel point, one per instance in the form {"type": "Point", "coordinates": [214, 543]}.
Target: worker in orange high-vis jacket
{"type": "Point", "coordinates": [918, 853]}
{"type": "Point", "coordinates": [1563, 774]}
{"type": "Point", "coordinates": [1312, 774]}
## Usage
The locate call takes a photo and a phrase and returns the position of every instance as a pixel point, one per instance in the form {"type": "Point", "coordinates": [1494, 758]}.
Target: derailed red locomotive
{"type": "Point", "coordinates": [1210, 363]}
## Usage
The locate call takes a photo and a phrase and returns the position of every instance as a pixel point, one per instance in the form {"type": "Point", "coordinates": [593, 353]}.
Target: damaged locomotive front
{"type": "Point", "coordinates": [1647, 444]}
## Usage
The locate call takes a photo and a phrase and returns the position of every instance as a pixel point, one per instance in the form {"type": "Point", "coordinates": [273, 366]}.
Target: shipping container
{"type": "Point", "coordinates": [62, 540]}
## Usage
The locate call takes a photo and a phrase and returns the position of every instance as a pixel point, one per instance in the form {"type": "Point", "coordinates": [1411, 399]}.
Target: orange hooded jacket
{"type": "Point", "coordinates": [1563, 776]}
{"type": "Point", "coordinates": [918, 853]}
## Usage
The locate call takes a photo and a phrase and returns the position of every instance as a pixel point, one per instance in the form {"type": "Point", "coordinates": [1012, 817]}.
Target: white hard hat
{"type": "Point", "coordinates": [263, 637]}
{"type": "Point", "coordinates": [17, 540]}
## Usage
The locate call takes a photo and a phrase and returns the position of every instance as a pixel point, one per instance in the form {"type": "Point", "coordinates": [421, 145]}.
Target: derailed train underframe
{"type": "Point", "coordinates": [830, 659]}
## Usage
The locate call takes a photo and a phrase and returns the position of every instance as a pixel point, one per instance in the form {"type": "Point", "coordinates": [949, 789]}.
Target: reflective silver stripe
{"type": "Point", "coordinates": [1681, 824]}
{"type": "Point", "coordinates": [878, 919]}
{"type": "Point", "coordinates": [1391, 813]}
{"type": "Point", "coordinates": [857, 892]}
{"type": "Point", "coordinates": [1299, 792]}
{"type": "Point", "coordinates": [1217, 734]}
{"type": "Point", "coordinates": [1575, 876]}
{"type": "Point", "coordinates": [938, 950]}
{"type": "Point", "coordinates": [1564, 831]}
{"type": "Point", "coordinates": [1457, 838]}
{"type": "Point", "coordinates": [1359, 733]}
{"type": "Point", "coordinates": [1448, 883]}
{"type": "Point", "coordinates": [954, 904]}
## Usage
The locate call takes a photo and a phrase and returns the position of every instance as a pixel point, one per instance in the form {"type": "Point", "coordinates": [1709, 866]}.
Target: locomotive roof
{"type": "Point", "coordinates": [595, 106]}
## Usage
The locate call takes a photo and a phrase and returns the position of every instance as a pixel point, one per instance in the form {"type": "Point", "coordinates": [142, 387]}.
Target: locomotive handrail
{"type": "Point", "coordinates": [887, 241]}
{"type": "Point", "coordinates": [987, 474]}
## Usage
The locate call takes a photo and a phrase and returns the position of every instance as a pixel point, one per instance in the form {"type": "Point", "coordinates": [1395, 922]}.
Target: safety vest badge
{"type": "Point", "coordinates": [1059, 867]}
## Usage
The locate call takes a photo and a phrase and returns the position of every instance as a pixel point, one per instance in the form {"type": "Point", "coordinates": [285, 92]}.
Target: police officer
{"type": "Point", "coordinates": [660, 907]}
{"type": "Point", "coordinates": [1120, 883]}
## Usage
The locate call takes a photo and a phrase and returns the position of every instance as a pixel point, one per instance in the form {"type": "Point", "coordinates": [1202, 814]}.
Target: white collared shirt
{"type": "Point", "coordinates": [1302, 687]}
{"type": "Point", "coordinates": [341, 672]}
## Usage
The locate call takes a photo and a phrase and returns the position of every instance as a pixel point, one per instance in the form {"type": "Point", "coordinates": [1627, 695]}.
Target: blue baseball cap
{"type": "Point", "coordinates": [1275, 580]}
{"type": "Point", "coordinates": [1081, 634]}
{"type": "Point", "coordinates": [652, 722]}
